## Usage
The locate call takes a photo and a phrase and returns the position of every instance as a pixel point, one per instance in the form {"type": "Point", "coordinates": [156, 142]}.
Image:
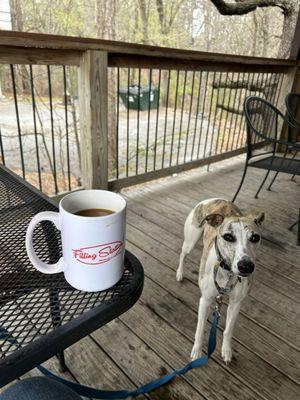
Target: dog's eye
{"type": "Point", "coordinates": [254, 238]}
{"type": "Point", "coordinates": [228, 237]}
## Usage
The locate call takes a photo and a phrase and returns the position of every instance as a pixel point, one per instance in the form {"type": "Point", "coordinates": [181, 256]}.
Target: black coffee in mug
{"type": "Point", "coordinates": [94, 212]}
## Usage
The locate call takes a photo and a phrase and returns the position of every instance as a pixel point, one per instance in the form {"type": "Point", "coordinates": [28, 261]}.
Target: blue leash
{"type": "Point", "coordinates": [87, 391]}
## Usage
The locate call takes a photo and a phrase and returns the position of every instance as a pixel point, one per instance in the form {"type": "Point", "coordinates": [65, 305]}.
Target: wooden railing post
{"type": "Point", "coordinates": [286, 88]}
{"type": "Point", "coordinates": [93, 98]}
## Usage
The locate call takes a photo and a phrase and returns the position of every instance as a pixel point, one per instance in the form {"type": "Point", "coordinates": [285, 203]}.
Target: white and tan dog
{"type": "Point", "coordinates": [230, 243]}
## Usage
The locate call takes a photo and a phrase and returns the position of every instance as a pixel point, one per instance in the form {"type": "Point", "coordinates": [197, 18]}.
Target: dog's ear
{"type": "Point", "coordinates": [259, 219]}
{"type": "Point", "coordinates": [214, 220]}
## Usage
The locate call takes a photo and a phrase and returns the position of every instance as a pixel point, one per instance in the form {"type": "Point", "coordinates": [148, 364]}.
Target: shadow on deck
{"type": "Point", "coordinates": [156, 335]}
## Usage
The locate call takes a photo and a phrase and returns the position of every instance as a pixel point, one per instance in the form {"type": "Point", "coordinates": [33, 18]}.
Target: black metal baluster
{"type": "Point", "coordinates": [67, 126]}
{"type": "Point", "coordinates": [232, 114]}
{"type": "Point", "coordinates": [222, 109]}
{"type": "Point", "coordinates": [2, 149]}
{"type": "Point", "coordinates": [138, 124]}
{"type": "Point", "coordinates": [210, 108]}
{"type": "Point", "coordinates": [148, 122]}
{"type": "Point", "coordinates": [208, 123]}
{"type": "Point", "coordinates": [181, 118]}
{"type": "Point", "coordinates": [227, 112]}
{"type": "Point", "coordinates": [237, 115]}
{"type": "Point", "coordinates": [157, 119]}
{"type": "Point", "coordinates": [17, 118]}
{"type": "Point", "coordinates": [197, 111]}
{"type": "Point", "coordinates": [127, 136]}
{"type": "Point", "coordinates": [241, 124]}
{"type": "Point", "coordinates": [272, 101]}
{"type": "Point", "coordinates": [202, 114]}
{"type": "Point", "coordinates": [275, 84]}
{"type": "Point", "coordinates": [189, 117]}
{"type": "Point", "coordinates": [35, 126]}
{"type": "Point", "coordinates": [279, 86]}
{"type": "Point", "coordinates": [166, 119]}
{"type": "Point", "coordinates": [52, 128]}
{"type": "Point", "coordinates": [254, 86]}
{"type": "Point", "coordinates": [174, 118]}
{"type": "Point", "coordinates": [215, 117]}
{"type": "Point", "coordinates": [117, 122]}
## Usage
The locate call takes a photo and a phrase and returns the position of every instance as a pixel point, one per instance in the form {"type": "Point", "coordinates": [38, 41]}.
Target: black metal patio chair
{"type": "Point", "coordinates": [264, 123]}
{"type": "Point", "coordinates": [292, 103]}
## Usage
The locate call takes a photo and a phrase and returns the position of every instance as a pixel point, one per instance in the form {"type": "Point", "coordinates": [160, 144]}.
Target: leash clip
{"type": "Point", "coordinates": [219, 302]}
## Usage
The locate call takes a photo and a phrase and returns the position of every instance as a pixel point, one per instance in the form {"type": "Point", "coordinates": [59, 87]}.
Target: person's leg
{"type": "Point", "coordinates": [39, 388]}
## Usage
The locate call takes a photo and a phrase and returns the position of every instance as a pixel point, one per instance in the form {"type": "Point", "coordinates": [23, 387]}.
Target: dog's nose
{"type": "Point", "coordinates": [246, 266]}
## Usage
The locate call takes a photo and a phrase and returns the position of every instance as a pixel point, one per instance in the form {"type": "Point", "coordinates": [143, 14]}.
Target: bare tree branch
{"type": "Point", "coordinates": [247, 6]}
{"type": "Point", "coordinates": [230, 109]}
{"type": "Point", "coordinates": [244, 84]}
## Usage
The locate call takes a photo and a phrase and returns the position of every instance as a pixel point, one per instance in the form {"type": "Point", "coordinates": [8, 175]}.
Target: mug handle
{"type": "Point", "coordinates": [35, 260]}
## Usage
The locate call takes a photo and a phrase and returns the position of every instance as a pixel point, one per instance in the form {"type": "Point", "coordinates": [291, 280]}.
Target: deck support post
{"type": "Point", "coordinates": [93, 96]}
{"type": "Point", "coordinates": [286, 88]}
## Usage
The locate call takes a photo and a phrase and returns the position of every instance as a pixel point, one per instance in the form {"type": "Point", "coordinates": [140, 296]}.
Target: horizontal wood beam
{"type": "Point", "coordinates": [23, 55]}
{"type": "Point", "coordinates": [133, 61]}
{"type": "Point", "coordinates": [137, 179]}
{"type": "Point", "coordinates": [36, 40]}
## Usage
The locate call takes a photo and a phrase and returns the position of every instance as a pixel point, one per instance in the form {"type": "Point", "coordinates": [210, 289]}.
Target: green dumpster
{"type": "Point", "coordinates": [131, 100]}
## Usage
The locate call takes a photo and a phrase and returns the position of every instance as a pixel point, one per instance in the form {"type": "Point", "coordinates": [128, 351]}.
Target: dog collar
{"type": "Point", "coordinates": [222, 263]}
{"type": "Point", "coordinates": [230, 284]}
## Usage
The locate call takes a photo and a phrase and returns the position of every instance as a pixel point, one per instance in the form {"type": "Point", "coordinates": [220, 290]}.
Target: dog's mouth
{"type": "Point", "coordinates": [241, 275]}
{"type": "Point", "coordinates": [244, 274]}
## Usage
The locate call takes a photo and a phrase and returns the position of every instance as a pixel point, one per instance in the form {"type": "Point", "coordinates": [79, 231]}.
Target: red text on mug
{"type": "Point", "coordinates": [99, 254]}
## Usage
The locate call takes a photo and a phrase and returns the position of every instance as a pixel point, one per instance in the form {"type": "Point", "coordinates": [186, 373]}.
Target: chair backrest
{"type": "Point", "coordinates": [263, 119]}
{"type": "Point", "coordinates": [292, 103]}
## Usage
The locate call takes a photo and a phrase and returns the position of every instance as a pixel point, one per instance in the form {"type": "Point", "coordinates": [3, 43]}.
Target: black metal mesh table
{"type": "Point", "coordinates": [43, 312]}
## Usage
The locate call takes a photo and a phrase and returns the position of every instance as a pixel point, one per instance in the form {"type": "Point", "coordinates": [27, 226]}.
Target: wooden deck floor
{"type": "Point", "coordinates": [156, 335]}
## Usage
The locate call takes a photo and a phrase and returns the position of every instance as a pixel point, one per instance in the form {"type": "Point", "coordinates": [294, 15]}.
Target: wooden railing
{"type": "Point", "coordinates": [196, 118]}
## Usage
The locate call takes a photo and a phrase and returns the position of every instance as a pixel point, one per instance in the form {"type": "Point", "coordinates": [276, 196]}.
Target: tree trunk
{"type": "Point", "coordinates": [289, 21]}
{"type": "Point", "coordinates": [144, 18]}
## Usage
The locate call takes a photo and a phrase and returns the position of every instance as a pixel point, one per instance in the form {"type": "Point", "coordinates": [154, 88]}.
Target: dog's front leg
{"type": "Point", "coordinates": [232, 314]}
{"type": "Point", "coordinates": [192, 234]}
{"type": "Point", "coordinates": [203, 311]}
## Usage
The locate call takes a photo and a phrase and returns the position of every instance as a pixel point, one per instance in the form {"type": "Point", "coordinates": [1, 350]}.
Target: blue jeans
{"type": "Point", "coordinates": [39, 388]}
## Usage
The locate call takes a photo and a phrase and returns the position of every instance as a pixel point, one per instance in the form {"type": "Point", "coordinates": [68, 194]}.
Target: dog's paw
{"type": "Point", "coordinates": [179, 275]}
{"type": "Point", "coordinates": [226, 353]}
{"type": "Point", "coordinates": [196, 352]}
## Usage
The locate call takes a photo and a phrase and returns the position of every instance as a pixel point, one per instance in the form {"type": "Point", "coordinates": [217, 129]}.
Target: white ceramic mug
{"type": "Point", "coordinates": [93, 247]}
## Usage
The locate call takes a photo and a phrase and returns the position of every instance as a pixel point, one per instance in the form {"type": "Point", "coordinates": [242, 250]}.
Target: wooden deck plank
{"type": "Point", "coordinates": [91, 365]}
{"type": "Point", "coordinates": [140, 362]}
